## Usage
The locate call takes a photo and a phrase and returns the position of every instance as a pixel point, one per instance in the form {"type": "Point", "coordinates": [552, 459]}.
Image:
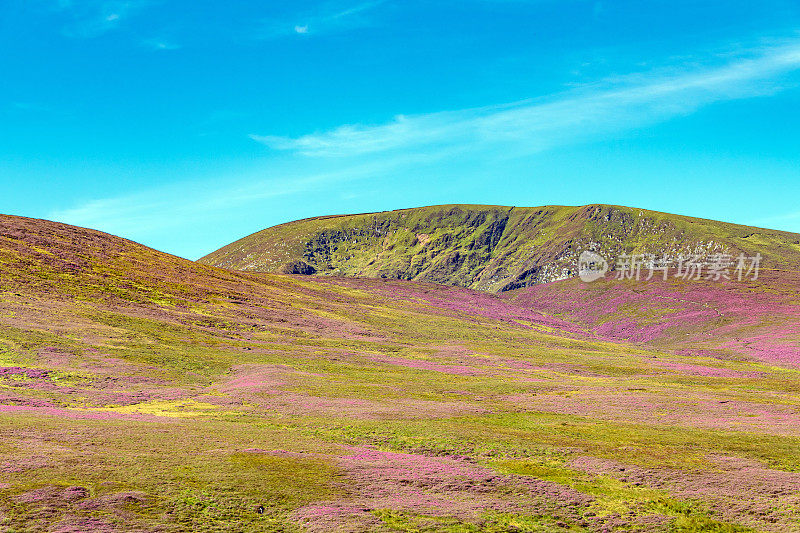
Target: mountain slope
{"type": "Point", "coordinates": [490, 248]}
{"type": "Point", "coordinates": [143, 392]}
{"type": "Point", "coordinates": [754, 320]}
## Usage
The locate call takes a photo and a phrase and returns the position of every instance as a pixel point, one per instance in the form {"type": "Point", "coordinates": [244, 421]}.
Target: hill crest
{"type": "Point", "coordinates": [490, 248]}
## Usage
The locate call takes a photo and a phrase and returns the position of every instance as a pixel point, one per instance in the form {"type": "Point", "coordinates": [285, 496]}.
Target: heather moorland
{"type": "Point", "coordinates": [141, 391]}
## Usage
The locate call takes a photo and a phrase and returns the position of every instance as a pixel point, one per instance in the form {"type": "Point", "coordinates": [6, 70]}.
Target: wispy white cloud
{"type": "Point", "coordinates": [416, 145]}
{"type": "Point", "coordinates": [92, 18]}
{"type": "Point", "coordinates": [160, 44]}
{"type": "Point", "coordinates": [621, 104]}
{"type": "Point", "coordinates": [191, 209]}
{"type": "Point", "coordinates": [140, 213]}
{"type": "Point", "coordinates": [785, 221]}
{"type": "Point", "coordinates": [329, 18]}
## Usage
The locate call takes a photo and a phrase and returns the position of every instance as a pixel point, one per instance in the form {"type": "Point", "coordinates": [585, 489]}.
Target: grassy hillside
{"type": "Point", "coordinates": [143, 392]}
{"type": "Point", "coordinates": [490, 248]}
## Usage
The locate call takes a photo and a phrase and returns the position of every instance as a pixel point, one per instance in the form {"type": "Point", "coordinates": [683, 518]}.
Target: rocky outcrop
{"type": "Point", "coordinates": [297, 267]}
{"type": "Point", "coordinates": [492, 248]}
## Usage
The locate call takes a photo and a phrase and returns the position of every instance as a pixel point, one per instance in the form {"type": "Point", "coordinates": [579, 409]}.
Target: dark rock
{"type": "Point", "coordinates": [297, 267]}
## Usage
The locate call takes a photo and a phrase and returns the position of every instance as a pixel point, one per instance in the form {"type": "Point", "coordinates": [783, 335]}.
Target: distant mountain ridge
{"type": "Point", "coordinates": [491, 248]}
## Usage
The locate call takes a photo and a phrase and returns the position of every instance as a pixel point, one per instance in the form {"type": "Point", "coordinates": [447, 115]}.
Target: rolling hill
{"type": "Point", "coordinates": [490, 248]}
{"type": "Point", "coordinates": [144, 392]}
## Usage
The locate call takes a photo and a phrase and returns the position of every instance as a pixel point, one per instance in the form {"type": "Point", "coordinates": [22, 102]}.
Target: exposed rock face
{"type": "Point", "coordinates": [297, 267]}
{"type": "Point", "coordinates": [492, 248]}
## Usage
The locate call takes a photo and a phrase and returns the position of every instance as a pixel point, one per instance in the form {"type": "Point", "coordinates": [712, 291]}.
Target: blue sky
{"type": "Point", "coordinates": [185, 125]}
